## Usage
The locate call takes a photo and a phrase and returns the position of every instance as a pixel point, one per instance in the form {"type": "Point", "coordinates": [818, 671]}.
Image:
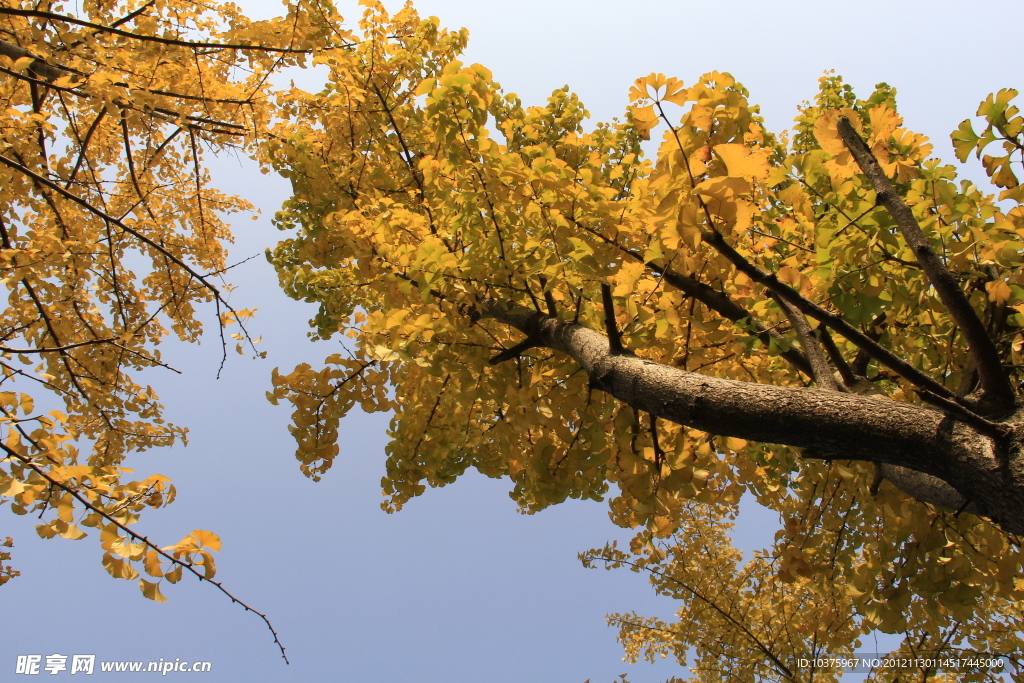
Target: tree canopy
{"type": "Point", "coordinates": [112, 237]}
{"type": "Point", "coordinates": [827, 320]}
{"type": "Point", "coordinates": [676, 309]}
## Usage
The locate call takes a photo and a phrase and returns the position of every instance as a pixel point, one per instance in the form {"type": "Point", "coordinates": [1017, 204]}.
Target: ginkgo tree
{"type": "Point", "coordinates": [828, 320]}
{"type": "Point", "coordinates": [112, 238]}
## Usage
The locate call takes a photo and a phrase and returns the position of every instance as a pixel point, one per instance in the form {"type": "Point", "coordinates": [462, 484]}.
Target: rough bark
{"type": "Point", "coordinates": [983, 471]}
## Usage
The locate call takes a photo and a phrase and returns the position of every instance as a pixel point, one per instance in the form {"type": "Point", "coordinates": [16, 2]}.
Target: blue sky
{"type": "Point", "coordinates": [458, 586]}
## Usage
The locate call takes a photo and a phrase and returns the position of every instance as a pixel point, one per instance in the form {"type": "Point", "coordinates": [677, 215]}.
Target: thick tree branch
{"type": "Point", "coordinates": [927, 488]}
{"type": "Point", "coordinates": [995, 382]}
{"type": "Point", "coordinates": [859, 427]}
{"type": "Point", "coordinates": [923, 487]}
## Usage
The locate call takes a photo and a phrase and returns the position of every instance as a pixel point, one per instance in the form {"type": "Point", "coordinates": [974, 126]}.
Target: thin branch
{"type": "Point", "coordinates": [836, 357]}
{"type": "Point", "coordinates": [513, 351]}
{"type": "Point", "coordinates": [779, 239]}
{"type": "Point", "coordinates": [105, 216]}
{"type": "Point", "coordinates": [549, 298]}
{"type": "Point", "coordinates": [710, 602]}
{"type": "Point", "coordinates": [57, 349]}
{"type": "Point", "coordinates": [179, 262]}
{"type": "Point", "coordinates": [993, 429]}
{"type": "Point", "coordinates": [719, 302]}
{"type": "Point", "coordinates": [83, 145]}
{"type": "Point", "coordinates": [128, 17]}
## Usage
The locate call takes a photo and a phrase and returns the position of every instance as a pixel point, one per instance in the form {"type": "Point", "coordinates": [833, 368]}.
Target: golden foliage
{"type": "Point", "coordinates": [112, 238]}
{"type": "Point", "coordinates": [422, 189]}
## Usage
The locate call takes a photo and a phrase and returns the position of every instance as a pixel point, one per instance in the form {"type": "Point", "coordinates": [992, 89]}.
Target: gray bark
{"type": "Point", "coordinates": [936, 451]}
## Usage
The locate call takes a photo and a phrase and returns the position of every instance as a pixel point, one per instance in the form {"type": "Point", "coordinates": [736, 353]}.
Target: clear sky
{"type": "Point", "coordinates": [458, 586]}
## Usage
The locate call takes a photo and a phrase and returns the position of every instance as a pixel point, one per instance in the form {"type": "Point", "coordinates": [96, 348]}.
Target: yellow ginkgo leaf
{"type": "Point", "coordinates": [826, 130]}
{"type": "Point", "coordinates": [151, 590]}
{"type": "Point", "coordinates": [998, 291]}
{"type": "Point", "coordinates": [883, 122]}
{"type": "Point", "coordinates": [152, 563]}
{"type": "Point", "coordinates": [207, 539]}
{"type": "Point", "coordinates": [742, 161]}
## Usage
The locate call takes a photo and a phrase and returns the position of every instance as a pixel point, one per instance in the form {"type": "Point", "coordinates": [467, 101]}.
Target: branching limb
{"type": "Point", "coordinates": [826, 423]}
{"type": "Point", "coordinates": [720, 303]}
{"type": "Point", "coordinates": [836, 357]}
{"type": "Point", "coordinates": [995, 382]}
{"type": "Point", "coordinates": [822, 373]}
{"type": "Point", "coordinates": [925, 488]}
{"type": "Point", "coordinates": [918, 485]}
{"type": "Point", "coordinates": [513, 351]}
{"type": "Point", "coordinates": [549, 298]}
{"type": "Point", "coordinates": [612, 329]}
{"type": "Point", "coordinates": [987, 427]}
{"type": "Point", "coordinates": [715, 300]}
{"type": "Point", "coordinates": [836, 322]}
